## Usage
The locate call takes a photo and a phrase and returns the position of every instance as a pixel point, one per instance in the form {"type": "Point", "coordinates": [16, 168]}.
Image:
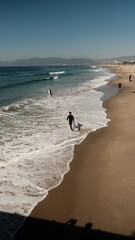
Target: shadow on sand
{"type": "Point", "coordinates": [34, 228]}
{"type": "Point", "coordinates": [42, 229]}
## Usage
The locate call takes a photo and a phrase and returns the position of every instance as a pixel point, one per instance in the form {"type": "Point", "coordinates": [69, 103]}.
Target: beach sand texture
{"type": "Point", "coordinates": [100, 186]}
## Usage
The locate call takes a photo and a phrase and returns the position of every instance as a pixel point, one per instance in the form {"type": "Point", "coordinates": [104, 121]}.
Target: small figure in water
{"type": "Point", "coordinates": [70, 118]}
{"type": "Point", "coordinates": [50, 92]}
{"type": "Point", "coordinates": [78, 126]}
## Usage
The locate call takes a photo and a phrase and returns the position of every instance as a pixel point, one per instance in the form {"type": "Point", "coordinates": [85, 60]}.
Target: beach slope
{"type": "Point", "coordinates": [100, 186]}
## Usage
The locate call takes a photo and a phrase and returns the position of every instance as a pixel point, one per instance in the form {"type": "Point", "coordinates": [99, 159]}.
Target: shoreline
{"type": "Point", "coordinates": [99, 187]}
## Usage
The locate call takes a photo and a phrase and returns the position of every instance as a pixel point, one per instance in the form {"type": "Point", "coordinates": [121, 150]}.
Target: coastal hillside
{"type": "Point", "coordinates": [54, 61]}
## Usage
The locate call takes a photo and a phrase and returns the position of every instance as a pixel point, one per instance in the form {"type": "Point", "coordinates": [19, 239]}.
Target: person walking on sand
{"type": "Point", "coordinates": [70, 118]}
{"type": "Point", "coordinates": [130, 76]}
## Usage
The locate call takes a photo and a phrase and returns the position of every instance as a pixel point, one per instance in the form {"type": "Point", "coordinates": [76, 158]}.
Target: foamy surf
{"type": "Point", "coordinates": [36, 143]}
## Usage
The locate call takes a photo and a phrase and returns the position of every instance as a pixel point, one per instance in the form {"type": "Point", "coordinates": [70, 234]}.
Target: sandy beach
{"type": "Point", "coordinates": [100, 186]}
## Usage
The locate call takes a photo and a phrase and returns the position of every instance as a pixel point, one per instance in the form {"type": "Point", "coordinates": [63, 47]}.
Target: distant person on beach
{"type": "Point", "coordinates": [130, 76]}
{"type": "Point", "coordinates": [50, 92]}
{"type": "Point", "coordinates": [70, 118]}
{"type": "Point", "coordinates": [119, 85]}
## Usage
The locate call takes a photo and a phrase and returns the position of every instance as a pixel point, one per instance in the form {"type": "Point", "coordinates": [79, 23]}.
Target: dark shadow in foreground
{"type": "Point", "coordinates": [43, 229]}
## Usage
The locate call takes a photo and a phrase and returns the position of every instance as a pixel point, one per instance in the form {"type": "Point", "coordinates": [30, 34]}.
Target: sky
{"type": "Point", "coordinates": [93, 29]}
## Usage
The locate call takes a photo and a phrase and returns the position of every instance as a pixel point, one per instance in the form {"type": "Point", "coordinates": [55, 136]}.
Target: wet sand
{"type": "Point", "coordinates": [100, 186]}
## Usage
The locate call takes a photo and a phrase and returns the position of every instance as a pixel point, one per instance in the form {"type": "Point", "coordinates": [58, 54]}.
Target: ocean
{"type": "Point", "coordinates": [36, 143]}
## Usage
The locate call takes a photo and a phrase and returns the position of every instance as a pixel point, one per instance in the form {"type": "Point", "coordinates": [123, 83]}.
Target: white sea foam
{"type": "Point", "coordinates": [56, 73]}
{"type": "Point", "coordinates": [37, 145]}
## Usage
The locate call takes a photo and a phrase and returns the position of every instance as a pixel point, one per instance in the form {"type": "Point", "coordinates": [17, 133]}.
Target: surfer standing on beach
{"type": "Point", "coordinates": [70, 117]}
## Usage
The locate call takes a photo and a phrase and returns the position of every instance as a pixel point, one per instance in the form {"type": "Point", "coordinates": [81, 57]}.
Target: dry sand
{"type": "Point", "coordinates": [100, 186]}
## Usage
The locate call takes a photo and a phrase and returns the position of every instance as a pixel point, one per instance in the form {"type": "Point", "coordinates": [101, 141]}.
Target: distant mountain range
{"type": "Point", "coordinates": [53, 61]}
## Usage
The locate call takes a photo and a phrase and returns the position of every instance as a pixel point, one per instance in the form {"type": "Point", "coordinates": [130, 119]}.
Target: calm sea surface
{"type": "Point", "coordinates": [36, 143]}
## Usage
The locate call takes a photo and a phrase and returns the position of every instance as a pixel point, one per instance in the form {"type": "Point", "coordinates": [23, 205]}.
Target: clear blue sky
{"type": "Point", "coordinates": [73, 28]}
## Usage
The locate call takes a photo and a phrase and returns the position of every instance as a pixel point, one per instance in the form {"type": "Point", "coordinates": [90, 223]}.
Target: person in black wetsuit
{"type": "Point", "coordinates": [70, 118]}
{"type": "Point", "coordinates": [50, 92]}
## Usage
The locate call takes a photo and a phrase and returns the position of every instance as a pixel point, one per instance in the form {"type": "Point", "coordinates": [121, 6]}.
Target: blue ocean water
{"type": "Point", "coordinates": [29, 82]}
{"type": "Point", "coordinates": [36, 143]}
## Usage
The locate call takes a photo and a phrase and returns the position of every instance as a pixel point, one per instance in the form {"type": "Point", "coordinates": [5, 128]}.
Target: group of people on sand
{"type": "Point", "coordinates": [70, 118]}
{"type": "Point", "coordinates": [129, 78]}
